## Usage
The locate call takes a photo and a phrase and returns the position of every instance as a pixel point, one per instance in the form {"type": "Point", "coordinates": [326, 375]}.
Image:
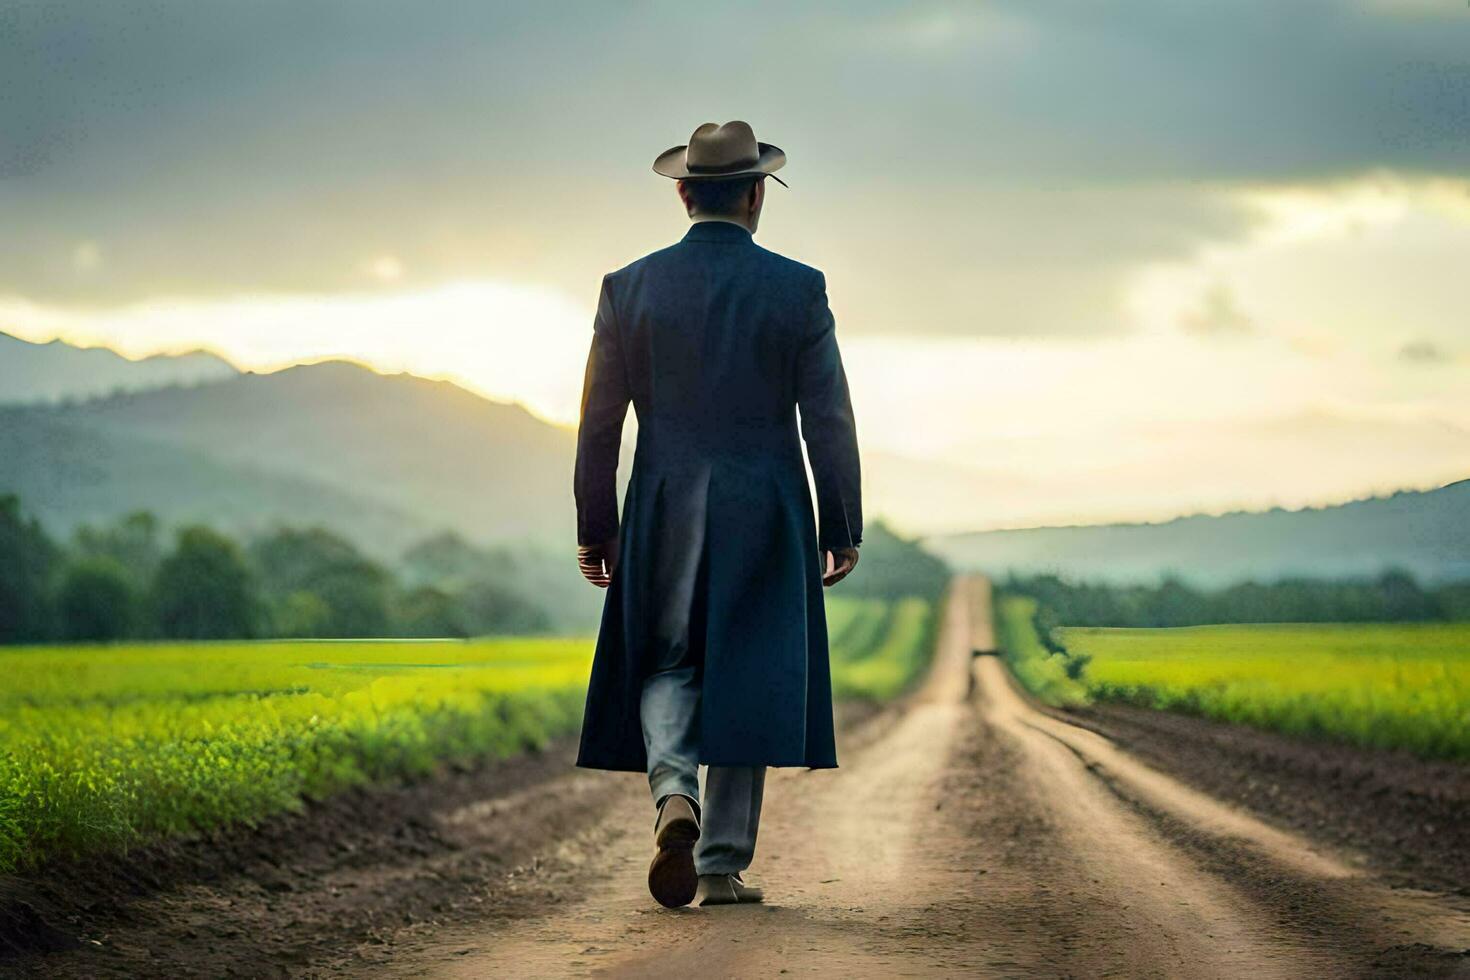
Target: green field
{"type": "Point", "coordinates": [101, 747]}
{"type": "Point", "coordinates": [1388, 686]}
{"type": "Point", "coordinates": [878, 647]}
{"type": "Point", "coordinates": [1040, 671]}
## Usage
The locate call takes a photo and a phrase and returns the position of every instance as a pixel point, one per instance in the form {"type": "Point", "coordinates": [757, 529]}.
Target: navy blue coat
{"type": "Point", "coordinates": [716, 342]}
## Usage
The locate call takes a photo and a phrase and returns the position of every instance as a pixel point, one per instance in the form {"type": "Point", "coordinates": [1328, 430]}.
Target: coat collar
{"type": "Point", "coordinates": [716, 231]}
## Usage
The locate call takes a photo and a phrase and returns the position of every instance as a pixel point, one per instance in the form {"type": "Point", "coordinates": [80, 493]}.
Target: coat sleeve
{"type": "Point", "coordinates": [605, 396]}
{"type": "Point", "coordinates": [828, 427]}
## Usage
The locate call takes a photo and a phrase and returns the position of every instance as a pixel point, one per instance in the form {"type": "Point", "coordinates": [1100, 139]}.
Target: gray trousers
{"type": "Point", "coordinates": [730, 808]}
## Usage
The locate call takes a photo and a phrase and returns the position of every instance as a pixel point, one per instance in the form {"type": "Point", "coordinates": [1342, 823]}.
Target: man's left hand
{"type": "Point", "coordinates": [597, 562]}
{"type": "Point", "coordinates": [840, 562]}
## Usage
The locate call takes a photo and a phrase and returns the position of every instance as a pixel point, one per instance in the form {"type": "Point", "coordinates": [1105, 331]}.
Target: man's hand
{"type": "Point", "coordinates": [597, 562]}
{"type": "Point", "coordinates": [840, 561]}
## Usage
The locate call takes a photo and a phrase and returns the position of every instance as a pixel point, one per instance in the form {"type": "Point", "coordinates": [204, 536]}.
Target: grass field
{"type": "Point", "coordinates": [101, 747]}
{"type": "Point", "coordinates": [878, 647]}
{"type": "Point", "coordinates": [1391, 686]}
{"type": "Point", "coordinates": [1387, 686]}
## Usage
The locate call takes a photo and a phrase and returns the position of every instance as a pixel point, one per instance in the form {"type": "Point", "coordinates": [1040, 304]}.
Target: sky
{"type": "Point", "coordinates": [1089, 261]}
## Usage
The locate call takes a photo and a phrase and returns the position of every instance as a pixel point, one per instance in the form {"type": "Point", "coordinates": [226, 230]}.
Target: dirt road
{"type": "Point", "coordinates": [970, 833]}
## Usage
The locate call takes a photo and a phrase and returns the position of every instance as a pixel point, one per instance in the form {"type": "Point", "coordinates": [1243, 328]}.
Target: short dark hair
{"type": "Point", "coordinates": [718, 196]}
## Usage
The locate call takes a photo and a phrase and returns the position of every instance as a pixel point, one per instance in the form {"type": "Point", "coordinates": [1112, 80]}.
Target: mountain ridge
{"type": "Point", "coordinates": [50, 371]}
{"type": "Point", "coordinates": [1426, 532]}
{"type": "Point", "coordinates": [430, 451]}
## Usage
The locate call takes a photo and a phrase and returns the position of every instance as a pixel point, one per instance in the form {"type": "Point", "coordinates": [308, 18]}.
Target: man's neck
{"type": "Point", "coordinates": [701, 218]}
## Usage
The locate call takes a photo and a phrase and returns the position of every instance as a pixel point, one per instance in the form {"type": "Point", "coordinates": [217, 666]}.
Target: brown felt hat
{"type": "Point", "coordinates": [717, 152]}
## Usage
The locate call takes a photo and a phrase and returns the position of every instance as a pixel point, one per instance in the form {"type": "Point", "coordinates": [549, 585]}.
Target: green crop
{"type": "Point", "coordinates": [1400, 686]}
{"type": "Point", "coordinates": [105, 746]}
{"type": "Point", "coordinates": [1388, 686]}
{"type": "Point", "coordinates": [879, 648]}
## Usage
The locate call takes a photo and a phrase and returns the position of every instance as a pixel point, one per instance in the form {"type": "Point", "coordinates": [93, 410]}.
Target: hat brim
{"type": "Point", "coordinates": [671, 163]}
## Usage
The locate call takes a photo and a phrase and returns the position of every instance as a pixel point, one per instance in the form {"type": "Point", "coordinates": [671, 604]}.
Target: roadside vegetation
{"type": "Point", "coordinates": [104, 746]}
{"type": "Point", "coordinates": [1401, 684]}
{"type": "Point", "coordinates": [879, 648]}
{"type": "Point", "coordinates": [1383, 686]}
{"type": "Point", "coordinates": [1046, 673]}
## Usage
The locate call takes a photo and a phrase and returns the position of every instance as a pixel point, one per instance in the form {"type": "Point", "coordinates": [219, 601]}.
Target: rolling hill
{"type": "Point", "coordinates": [68, 474]}
{"type": "Point", "coordinates": [389, 459]}
{"type": "Point", "coordinates": [1424, 532]}
{"type": "Point", "coordinates": [368, 453]}
{"type": "Point", "coordinates": [55, 371]}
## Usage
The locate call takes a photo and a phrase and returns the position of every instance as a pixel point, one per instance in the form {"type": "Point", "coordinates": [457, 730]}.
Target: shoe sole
{"type": "Point", "coordinates": [672, 880]}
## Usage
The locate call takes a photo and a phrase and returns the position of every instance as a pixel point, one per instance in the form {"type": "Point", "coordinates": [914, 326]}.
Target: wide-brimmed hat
{"type": "Point", "coordinates": [719, 152]}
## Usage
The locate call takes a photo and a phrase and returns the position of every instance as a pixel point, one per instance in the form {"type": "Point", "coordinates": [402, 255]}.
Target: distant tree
{"type": "Point", "coordinates": [891, 566]}
{"type": "Point", "coordinates": [1173, 603]}
{"type": "Point", "coordinates": [28, 561]}
{"type": "Point", "coordinates": [132, 541]}
{"type": "Point", "coordinates": [1453, 601]}
{"type": "Point", "coordinates": [1402, 599]}
{"type": "Point", "coordinates": [450, 562]}
{"type": "Point", "coordinates": [97, 601]}
{"type": "Point", "coordinates": [204, 591]}
{"type": "Point", "coordinates": [430, 612]}
{"type": "Point", "coordinates": [301, 615]}
{"type": "Point", "coordinates": [442, 559]}
{"type": "Point", "coordinates": [491, 609]}
{"type": "Point", "coordinates": [355, 590]}
{"type": "Point", "coordinates": [491, 590]}
{"type": "Point", "coordinates": [1392, 597]}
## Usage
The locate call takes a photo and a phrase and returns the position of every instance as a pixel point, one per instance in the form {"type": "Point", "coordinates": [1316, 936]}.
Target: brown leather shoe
{"type": "Point", "coordinates": [726, 890]}
{"type": "Point", "coordinates": [671, 877]}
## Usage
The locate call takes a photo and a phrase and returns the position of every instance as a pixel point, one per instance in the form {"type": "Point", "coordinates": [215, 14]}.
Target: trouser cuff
{"type": "Point", "coordinates": [674, 786]}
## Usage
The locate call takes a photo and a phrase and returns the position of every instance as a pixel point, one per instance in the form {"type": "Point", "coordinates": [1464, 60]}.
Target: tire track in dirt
{"type": "Point", "coordinates": [972, 834]}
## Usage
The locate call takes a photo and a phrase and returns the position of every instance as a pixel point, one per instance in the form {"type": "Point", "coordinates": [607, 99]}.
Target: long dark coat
{"type": "Point", "coordinates": [716, 342]}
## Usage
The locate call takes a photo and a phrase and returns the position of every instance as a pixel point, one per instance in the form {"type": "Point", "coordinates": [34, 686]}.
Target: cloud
{"type": "Point", "coordinates": [1424, 352]}
{"type": "Point", "coordinates": [1217, 315]}
{"type": "Point", "coordinates": [1038, 151]}
{"type": "Point", "coordinates": [1333, 268]}
{"type": "Point", "coordinates": [86, 257]}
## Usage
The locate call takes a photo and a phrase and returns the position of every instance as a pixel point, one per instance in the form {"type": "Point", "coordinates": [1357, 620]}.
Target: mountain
{"type": "Point", "coordinates": [1424, 532]}
{"type": "Point", "coordinates": [68, 474]}
{"type": "Point", "coordinates": [367, 453]}
{"type": "Point", "coordinates": [51, 372]}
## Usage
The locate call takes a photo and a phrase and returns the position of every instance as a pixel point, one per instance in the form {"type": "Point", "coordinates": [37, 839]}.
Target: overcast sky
{"type": "Point", "coordinates": [1108, 260]}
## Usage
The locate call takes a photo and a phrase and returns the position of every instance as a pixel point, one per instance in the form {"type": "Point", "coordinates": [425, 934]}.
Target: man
{"type": "Point", "coordinates": [713, 646]}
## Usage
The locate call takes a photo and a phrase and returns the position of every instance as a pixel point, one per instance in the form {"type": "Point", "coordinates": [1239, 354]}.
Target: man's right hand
{"type": "Point", "coordinates": [597, 562]}
{"type": "Point", "coordinates": [839, 562]}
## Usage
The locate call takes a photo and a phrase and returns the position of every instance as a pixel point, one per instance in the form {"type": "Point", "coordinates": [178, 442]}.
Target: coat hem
{"type": "Point", "coordinates": [611, 765]}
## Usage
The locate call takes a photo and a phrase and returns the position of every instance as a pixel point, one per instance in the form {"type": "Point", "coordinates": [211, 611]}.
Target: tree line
{"type": "Point", "coordinates": [1392, 597]}
{"type": "Point", "coordinates": [131, 579]}
{"type": "Point", "coordinates": [127, 580]}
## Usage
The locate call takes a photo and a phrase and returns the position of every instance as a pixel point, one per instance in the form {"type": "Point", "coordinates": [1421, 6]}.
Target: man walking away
{"type": "Point", "coordinates": [713, 644]}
